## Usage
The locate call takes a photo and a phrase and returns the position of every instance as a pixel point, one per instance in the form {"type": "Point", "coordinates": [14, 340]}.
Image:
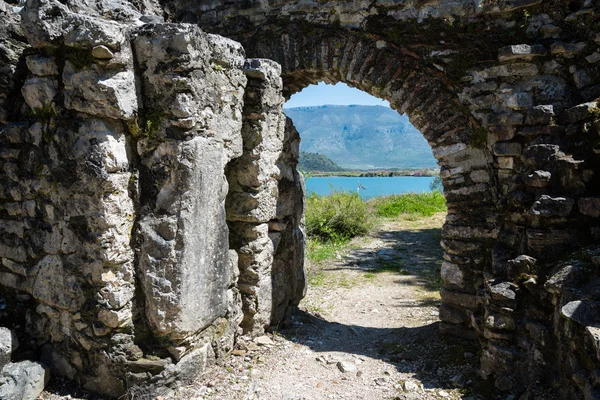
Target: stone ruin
{"type": "Point", "coordinates": [151, 211]}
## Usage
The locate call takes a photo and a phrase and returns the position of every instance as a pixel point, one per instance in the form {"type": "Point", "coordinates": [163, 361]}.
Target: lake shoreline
{"type": "Point", "coordinates": [368, 187]}
{"type": "Point", "coordinates": [376, 173]}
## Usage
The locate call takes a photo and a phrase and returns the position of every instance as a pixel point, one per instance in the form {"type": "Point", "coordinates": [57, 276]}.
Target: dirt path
{"type": "Point", "coordinates": [371, 312]}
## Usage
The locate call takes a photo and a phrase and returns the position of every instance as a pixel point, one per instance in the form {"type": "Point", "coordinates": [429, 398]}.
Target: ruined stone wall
{"type": "Point", "coordinates": [138, 145]}
{"type": "Point", "coordinates": [151, 210]}
{"type": "Point", "coordinates": [507, 94]}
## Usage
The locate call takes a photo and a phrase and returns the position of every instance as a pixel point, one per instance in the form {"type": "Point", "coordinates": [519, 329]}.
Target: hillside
{"type": "Point", "coordinates": [317, 162]}
{"type": "Point", "coordinates": [362, 137]}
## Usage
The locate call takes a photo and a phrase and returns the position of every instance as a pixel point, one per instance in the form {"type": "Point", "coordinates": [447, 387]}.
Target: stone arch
{"type": "Point", "coordinates": [457, 140]}
{"type": "Point", "coordinates": [506, 92]}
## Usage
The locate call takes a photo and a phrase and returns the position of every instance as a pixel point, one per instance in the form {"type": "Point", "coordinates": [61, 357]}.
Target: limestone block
{"type": "Point", "coordinates": [521, 264]}
{"type": "Point", "coordinates": [506, 162]}
{"type": "Point", "coordinates": [92, 92]}
{"type": "Point", "coordinates": [452, 274]}
{"type": "Point", "coordinates": [540, 115]}
{"type": "Point", "coordinates": [451, 314]}
{"type": "Point", "coordinates": [500, 322]}
{"type": "Point", "coordinates": [42, 66]}
{"type": "Point", "coordinates": [24, 380]}
{"type": "Point", "coordinates": [566, 49]}
{"type": "Point", "coordinates": [521, 51]}
{"type": "Point", "coordinates": [593, 333]}
{"type": "Point", "coordinates": [589, 206]}
{"type": "Point", "coordinates": [503, 293]}
{"type": "Point", "coordinates": [552, 206]}
{"type": "Point", "coordinates": [458, 299]}
{"type": "Point", "coordinates": [593, 58]}
{"type": "Point", "coordinates": [8, 344]}
{"type": "Point", "coordinates": [102, 52]}
{"type": "Point", "coordinates": [39, 92]}
{"type": "Point", "coordinates": [480, 176]}
{"type": "Point", "coordinates": [55, 286]}
{"type": "Point", "coordinates": [538, 179]}
{"type": "Point", "coordinates": [115, 318]}
{"type": "Point", "coordinates": [580, 112]}
{"type": "Point", "coordinates": [183, 256]}
{"type": "Point", "coordinates": [583, 77]}
{"type": "Point", "coordinates": [46, 22]}
{"type": "Point", "coordinates": [584, 312]}
{"type": "Point", "coordinates": [507, 149]}
{"type": "Point", "coordinates": [516, 70]}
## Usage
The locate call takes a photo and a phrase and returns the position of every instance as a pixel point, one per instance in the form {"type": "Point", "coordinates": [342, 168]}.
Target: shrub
{"type": "Point", "coordinates": [337, 217]}
{"type": "Point", "coordinates": [424, 204]}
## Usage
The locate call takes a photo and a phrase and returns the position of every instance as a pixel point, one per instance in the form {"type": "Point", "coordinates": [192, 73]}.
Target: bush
{"type": "Point", "coordinates": [424, 204]}
{"type": "Point", "coordinates": [337, 217]}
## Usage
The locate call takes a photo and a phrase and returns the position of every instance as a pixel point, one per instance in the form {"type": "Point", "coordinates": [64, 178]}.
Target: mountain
{"type": "Point", "coordinates": [316, 162]}
{"type": "Point", "coordinates": [362, 137]}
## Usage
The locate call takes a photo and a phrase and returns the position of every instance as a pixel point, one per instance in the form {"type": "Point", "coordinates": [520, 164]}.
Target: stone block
{"type": "Point", "coordinates": [452, 274]}
{"type": "Point", "coordinates": [566, 49]}
{"type": "Point", "coordinates": [110, 95]}
{"type": "Point", "coordinates": [538, 179]}
{"type": "Point", "coordinates": [540, 115]}
{"type": "Point", "coordinates": [547, 206]}
{"type": "Point", "coordinates": [584, 312]}
{"type": "Point", "coordinates": [500, 322]}
{"type": "Point", "coordinates": [42, 66]}
{"type": "Point", "coordinates": [521, 51]}
{"type": "Point", "coordinates": [589, 206]}
{"type": "Point", "coordinates": [593, 58]}
{"type": "Point", "coordinates": [506, 162]}
{"type": "Point", "coordinates": [542, 130]}
{"type": "Point", "coordinates": [451, 314]}
{"type": "Point", "coordinates": [459, 300]}
{"type": "Point", "coordinates": [39, 92]}
{"type": "Point", "coordinates": [507, 149]}
{"type": "Point", "coordinates": [24, 380]}
{"type": "Point", "coordinates": [580, 112]}
{"type": "Point", "coordinates": [503, 293]}
{"type": "Point", "coordinates": [593, 333]}
{"type": "Point", "coordinates": [8, 344]}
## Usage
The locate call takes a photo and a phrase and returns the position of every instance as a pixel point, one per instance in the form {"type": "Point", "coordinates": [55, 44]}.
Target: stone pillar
{"type": "Point", "coordinates": [192, 84]}
{"type": "Point", "coordinates": [287, 231]}
{"type": "Point", "coordinates": [252, 199]}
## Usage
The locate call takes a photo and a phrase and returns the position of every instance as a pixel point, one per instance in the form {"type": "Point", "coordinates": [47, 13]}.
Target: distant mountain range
{"type": "Point", "coordinates": [361, 137]}
{"type": "Point", "coordinates": [316, 162]}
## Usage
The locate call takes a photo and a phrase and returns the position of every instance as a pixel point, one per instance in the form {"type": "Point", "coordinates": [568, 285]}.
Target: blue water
{"type": "Point", "coordinates": [376, 186]}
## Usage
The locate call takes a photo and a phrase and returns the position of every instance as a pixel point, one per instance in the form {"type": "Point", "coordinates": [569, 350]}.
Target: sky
{"type": "Point", "coordinates": [339, 94]}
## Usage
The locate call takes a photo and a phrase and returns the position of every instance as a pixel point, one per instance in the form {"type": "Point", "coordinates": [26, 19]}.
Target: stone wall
{"type": "Point", "coordinates": [151, 210]}
{"type": "Point", "coordinates": [115, 198]}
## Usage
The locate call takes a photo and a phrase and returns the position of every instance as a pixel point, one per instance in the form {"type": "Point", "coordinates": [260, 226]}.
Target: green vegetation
{"type": "Point", "coordinates": [316, 162]}
{"type": "Point", "coordinates": [413, 204]}
{"type": "Point", "coordinates": [338, 217]}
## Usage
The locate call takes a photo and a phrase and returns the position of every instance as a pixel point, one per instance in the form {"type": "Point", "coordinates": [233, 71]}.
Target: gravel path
{"type": "Point", "coordinates": [367, 329]}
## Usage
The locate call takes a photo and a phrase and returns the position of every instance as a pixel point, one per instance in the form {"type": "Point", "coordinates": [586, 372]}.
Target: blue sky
{"type": "Point", "coordinates": [340, 94]}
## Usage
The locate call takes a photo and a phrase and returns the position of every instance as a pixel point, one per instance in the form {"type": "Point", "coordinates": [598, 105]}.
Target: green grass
{"type": "Point", "coordinates": [319, 250]}
{"type": "Point", "coordinates": [338, 217]}
{"type": "Point", "coordinates": [414, 204]}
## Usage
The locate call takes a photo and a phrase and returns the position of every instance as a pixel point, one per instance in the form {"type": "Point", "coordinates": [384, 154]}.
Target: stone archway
{"type": "Point", "coordinates": [120, 168]}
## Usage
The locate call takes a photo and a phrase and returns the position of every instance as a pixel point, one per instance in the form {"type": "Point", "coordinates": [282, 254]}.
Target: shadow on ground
{"type": "Point", "coordinates": [433, 360]}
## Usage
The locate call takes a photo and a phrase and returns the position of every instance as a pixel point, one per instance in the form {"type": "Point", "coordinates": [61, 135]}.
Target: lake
{"type": "Point", "coordinates": [375, 186]}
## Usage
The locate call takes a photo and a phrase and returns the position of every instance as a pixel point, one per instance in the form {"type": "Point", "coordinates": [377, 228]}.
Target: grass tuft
{"type": "Point", "coordinates": [419, 205]}
{"type": "Point", "coordinates": [338, 217]}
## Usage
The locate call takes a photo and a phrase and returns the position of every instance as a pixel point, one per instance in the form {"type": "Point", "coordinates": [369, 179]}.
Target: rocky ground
{"type": "Point", "coordinates": [367, 329]}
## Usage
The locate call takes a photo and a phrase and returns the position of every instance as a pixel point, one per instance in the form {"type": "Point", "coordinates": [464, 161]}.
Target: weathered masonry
{"type": "Point", "coordinates": [150, 209]}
